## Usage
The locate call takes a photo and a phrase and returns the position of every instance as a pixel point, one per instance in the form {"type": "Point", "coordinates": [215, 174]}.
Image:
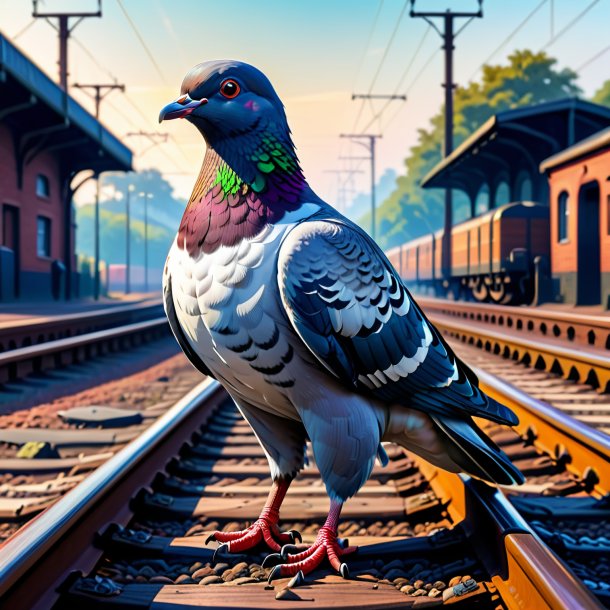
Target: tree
{"type": "Point", "coordinates": [527, 78]}
{"type": "Point", "coordinates": [602, 95]}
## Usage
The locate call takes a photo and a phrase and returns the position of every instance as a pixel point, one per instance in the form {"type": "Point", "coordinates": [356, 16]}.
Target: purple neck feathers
{"type": "Point", "coordinates": [223, 210]}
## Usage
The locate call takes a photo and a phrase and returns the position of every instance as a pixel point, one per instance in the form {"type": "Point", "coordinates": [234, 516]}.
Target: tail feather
{"type": "Point", "coordinates": [476, 453]}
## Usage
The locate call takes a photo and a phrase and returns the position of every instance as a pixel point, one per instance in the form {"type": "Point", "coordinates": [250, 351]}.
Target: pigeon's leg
{"type": "Point", "coordinates": [264, 528]}
{"type": "Point", "coordinates": [326, 545]}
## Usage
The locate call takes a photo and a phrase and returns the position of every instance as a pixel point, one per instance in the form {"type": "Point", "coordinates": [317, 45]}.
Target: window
{"type": "Point", "coordinates": [42, 186]}
{"type": "Point", "coordinates": [43, 236]}
{"type": "Point", "coordinates": [563, 211]}
{"type": "Point", "coordinates": [502, 194]}
{"type": "Point", "coordinates": [482, 202]}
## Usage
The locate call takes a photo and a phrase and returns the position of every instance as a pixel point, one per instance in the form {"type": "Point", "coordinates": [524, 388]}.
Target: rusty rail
{"type": "Point", "coordinates": [22, 361]}
{"type": "Point", "coordinates": [38, 559]}
{"type": "Point", "coordinates": [571, 327]}
{"type": "Point", "coordinates": [589, 366]}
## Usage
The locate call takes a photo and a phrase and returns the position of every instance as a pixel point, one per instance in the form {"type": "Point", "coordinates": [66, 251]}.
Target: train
{"type": "Point", "coordinates": [493, 256]}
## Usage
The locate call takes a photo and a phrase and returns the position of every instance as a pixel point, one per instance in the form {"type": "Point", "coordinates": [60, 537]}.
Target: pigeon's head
{"type": "Point", "coordinates": [240, 115]}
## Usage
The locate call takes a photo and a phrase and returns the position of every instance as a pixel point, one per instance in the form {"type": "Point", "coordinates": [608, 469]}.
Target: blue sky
{"type": "Point", "coordinates": [315, 52]}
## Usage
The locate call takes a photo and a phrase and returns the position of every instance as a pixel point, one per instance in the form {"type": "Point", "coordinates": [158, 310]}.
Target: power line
{"type": "Point", "coordinates": [23, 30]}
{"type": "Point", "coordinates": [509, 37]}
{"type": "Point", "coordinates": [142, 41]}
{"type": "Point", "coordinates": [368, 44]}
{"type": "Point", "coordinates": [569, 25]}
{"type": "Point", "coordinates": [592, 59]}
{"type": "Point", "coordinates": [389, 45]}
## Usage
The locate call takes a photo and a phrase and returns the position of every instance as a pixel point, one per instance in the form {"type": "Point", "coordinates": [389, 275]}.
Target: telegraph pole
{"type": "Point", "coordinates": [341, 189]}
{"type": "Point", "coordinates": [448, 35]}
{"type": "Point", "coordinates": [370, 146]}
{"type": "Point", "coordinates": [101, 91]}
{"type": "Point", "coordinates": [64, 29]}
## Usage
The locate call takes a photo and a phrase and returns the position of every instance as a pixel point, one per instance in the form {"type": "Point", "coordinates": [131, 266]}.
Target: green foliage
{"type": "Point", "coordinates": [527, 78]}
{"type": "Point", "coordinates": [602, 95]}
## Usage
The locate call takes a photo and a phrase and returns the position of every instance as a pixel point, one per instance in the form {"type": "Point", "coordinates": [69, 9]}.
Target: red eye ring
{"type": "Point", "coordinates": [230, 88]}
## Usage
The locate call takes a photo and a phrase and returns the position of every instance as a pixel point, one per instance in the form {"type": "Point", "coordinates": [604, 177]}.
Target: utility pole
{"type": "Point", "coordinates": [341, 188]}
{"type": "Point", "coordinates": [64, 29]}
{"type": "Point", "coordinates": [370, 146]}
{"type": "Point", "coordinates": [130, 189]}
{"type": "Point", "coordinates": [448, 35]}
{"type": "Point", "coordinates": [146, 196]}
{"type": "Point", "coordinates": [101, 91]}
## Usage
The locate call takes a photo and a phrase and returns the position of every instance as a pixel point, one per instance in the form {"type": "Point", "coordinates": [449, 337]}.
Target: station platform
{"type": "Point", "coordinates": [19, 312]}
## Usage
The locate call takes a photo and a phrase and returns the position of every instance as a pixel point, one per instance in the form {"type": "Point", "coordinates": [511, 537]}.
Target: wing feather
{"type": "Point", "coordinates": [354, 313]}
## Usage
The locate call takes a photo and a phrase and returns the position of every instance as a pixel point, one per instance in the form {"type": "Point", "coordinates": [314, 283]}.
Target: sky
{"type": "Point", "coordinates": [317, 53]}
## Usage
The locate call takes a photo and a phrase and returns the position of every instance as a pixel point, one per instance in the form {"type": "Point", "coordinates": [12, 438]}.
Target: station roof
{"type": "Point", "coordinates": [516, 137]}
{"type": "Point", "coordinates": [44, 117]}
{"type": "Point", "coordinates": [598, 141]}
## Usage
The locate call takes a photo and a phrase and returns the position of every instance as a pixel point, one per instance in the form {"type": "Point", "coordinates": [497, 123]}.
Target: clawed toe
{"type": "Point", "coordinates": [344, 571]}
{"type": "Point", "coordinates": [289, 549]}
{"type": "Point", "coordinates": [211, 538]}
{"type": "Point", "coordinates": [224, 547]}
{"type": "Point", "coordinates": [295, 535]}
{"type": "Point", "coordinates": [272, 560]}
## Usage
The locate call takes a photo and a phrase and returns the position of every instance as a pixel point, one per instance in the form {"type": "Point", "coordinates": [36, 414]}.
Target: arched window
{"type": "Point", "coordinates": [524, 190]}
{"type": "Point", "coordinates": [42, 186]}
{"type": "Point", "coordinates": [563, 212]}
{"type": "Point", "coordinates": [502, 194]}
{"type": "Point", "coordinates": [482, 203]}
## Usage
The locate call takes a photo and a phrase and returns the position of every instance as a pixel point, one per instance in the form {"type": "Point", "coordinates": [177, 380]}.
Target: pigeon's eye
{"type": "Point", "coordinates": [229, 88]}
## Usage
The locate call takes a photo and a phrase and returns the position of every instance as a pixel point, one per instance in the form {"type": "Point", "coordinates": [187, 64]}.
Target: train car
{"type": "Point", "coordinates": [492, 255]}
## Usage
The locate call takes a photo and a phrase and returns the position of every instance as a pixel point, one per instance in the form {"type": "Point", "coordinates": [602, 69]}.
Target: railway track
{"type": "Point", "coordinates": [34, 345]}
{"type": "Point", "coordinates": [133, 534]}
{"type": "Point", "coordinates": [568, 375]}
{"type": "Point", "coordinates": [44, 453]}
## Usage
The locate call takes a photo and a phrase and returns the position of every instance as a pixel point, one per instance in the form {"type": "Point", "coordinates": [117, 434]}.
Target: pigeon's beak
{"type": "Point", "coordinates": [180, 108]}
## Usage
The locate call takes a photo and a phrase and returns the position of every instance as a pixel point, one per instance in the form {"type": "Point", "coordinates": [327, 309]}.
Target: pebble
{"type": "Point", "coordinates": [163, 580]}
{"type": "Point", "coordinates": [456, 580]}
{"type": "Point", "coordinates": [184, 579]}
{"type": "Point", "coordinates": [210, 580]}
{"type": "Point", "coordinates": [466, 578]}
{"type": "Point", "coordinates": [408, 589]}
{"type": "Point", "coordinates": [434, 592]}
{"type": "Point", "coordinates": [244, 580]}
{"type": "Point", "coordinates": [219, 568]}
{"type": "Point", "coordinates": [439, 584]}
{"type": "Point", "coordinates": [203, 572]}
{"type": "Point", "coordinates": [195, 567]}
{"type": "Point", "coordinates": [418, 584]}
{"type": "Point", "coordinates": [419, 593]}
{"type": "Point", "coordinates": [146, 571]}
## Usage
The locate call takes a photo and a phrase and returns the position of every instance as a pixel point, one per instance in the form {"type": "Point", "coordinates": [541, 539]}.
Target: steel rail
{"type": "Point", "coordinates": [573, 327]}
{"type": "Point", "coordinates": [525, 571]}
{"type": "Point", "coordinates": [587, 447]}
{"type": "Point", "coordinates": [93, 315]}
{"type": "Point", "coordinates": [546, 315]}
{"type": "Point", "coordinates": [35, 559]}
{"type": "Point", "coordinates": [584, 361]}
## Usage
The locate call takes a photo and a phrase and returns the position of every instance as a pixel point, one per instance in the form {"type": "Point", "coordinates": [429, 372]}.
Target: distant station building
{"type": "Point", "coordinates": [46, 139]}
{"type": "Point", "coordinates": [500, 161]}
{"type": "Point", "coordinates": [579, 195]}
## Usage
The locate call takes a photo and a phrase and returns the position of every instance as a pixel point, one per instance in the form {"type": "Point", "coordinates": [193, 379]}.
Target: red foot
{"type": "Point", "coordinates": [325, 546]}
{"type": "Point", "coordinates": [264, 528]}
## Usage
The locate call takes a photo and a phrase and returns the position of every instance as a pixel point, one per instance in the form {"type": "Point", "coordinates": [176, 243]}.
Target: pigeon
{"type": "Point", "coordinates": [298, 313]}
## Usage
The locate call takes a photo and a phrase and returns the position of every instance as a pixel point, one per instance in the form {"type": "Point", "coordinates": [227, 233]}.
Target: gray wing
{"type": "Point", "coordinates": [353, 312]}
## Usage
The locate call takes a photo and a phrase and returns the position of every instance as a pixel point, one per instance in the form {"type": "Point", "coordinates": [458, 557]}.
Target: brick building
{"type": "Point", "coordinates": [46, 140]}
{"type": "Point", "coordinates": [579, 195]}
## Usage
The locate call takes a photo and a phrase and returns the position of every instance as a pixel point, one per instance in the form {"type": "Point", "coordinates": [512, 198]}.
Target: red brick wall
{"type": "Point", "coordinates": [30, 205]}
{"type": "Point", "coordinates": [570, 179]}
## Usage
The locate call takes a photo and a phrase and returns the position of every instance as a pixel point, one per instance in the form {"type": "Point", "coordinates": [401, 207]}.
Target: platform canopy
{"type": "Point", "coordinates": [509, 147]}
{"type": "Point", "coordinates": [43, 117]}
{"type": "Point", "coordinates": [597, 142]}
